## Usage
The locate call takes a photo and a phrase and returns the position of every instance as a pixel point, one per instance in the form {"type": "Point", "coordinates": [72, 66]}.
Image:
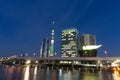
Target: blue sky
{"type": "Point", "coordinates": [24, 23]}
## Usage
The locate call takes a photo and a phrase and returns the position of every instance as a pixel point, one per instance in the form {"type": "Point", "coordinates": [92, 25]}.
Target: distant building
{"type": "Point", "coordinates": [69, 43]}
{"type": "Point", "coordinates": [45, 48]}
{"type": "Point", "coordinates": [42, 49]}
{"type": "Point", "coordinates": [48, 48]}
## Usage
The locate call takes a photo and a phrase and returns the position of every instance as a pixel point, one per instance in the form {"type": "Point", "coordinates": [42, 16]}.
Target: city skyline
{"type": "Point", "coordinates": [69, 44]}
{"type": "Point", "coordinates": [24, 24]}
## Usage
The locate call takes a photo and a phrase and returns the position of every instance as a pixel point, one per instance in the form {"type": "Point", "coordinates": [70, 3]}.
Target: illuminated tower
{"type": "Point", "coordinates": [52, 42]}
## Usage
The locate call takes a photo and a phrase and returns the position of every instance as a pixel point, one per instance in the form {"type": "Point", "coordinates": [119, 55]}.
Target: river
{"type": "Point", "coordinates": [34, 73]}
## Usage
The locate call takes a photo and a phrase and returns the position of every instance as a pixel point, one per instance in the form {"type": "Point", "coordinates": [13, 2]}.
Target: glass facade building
{"type": "Point", "coordinates": [69, 43]}
{"type": "Point", "coordinates": [87, 40]}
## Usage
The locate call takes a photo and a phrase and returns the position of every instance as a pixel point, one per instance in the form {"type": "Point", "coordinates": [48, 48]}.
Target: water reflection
{"type": "Point", "coordinates": [26, 76]}
{"type": "Point", "coordinates": [35, 73]}
{"type": "Point", "coordinates": [90, 76]}
{"type": "Point", "coordinates": [8, 72]}
{"type": "Point", "coordinates": [60, 74]}
{"type": "Point", "coordinates": [17, 72]}
{"type": "Point", "coordinates": [107, 75]}
{"type": "Point", "coordinates": [68, 76]}
{"type": "Point", "coordinates": [115, 76]}
{"type": "Point", "coordinates": [54, 74]}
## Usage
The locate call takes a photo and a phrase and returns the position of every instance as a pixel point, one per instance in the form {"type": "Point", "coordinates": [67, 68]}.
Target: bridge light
{"type": "Point", "coordinates": [36, 61]}
{"type": "Point", "coordinates": [34, 54]}
{"type": "Point", "coordinates": [21, 55]}
{"type": "Point", "coordinates": [105, 52]}
{"type": "Point", "coordinates": [26, 54]}
{"type": "Point", "coordinates": [28, 62]}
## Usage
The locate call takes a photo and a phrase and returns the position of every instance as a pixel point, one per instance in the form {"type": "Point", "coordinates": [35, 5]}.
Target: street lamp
{"type": "Point", "coordinates": [21, 55]}
{"type": "Point", "coordinates": [105, 52]}
{"type": "Point", "coordinates": [33, 54]}
{"type": "Point", "coordinates": [26, 54]}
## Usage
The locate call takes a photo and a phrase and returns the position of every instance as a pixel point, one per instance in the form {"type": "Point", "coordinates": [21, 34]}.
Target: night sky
{"type": "Point", "coordinates": [24, 23]}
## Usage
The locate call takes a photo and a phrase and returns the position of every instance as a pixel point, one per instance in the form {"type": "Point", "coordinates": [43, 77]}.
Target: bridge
{"type": "Point", "coordinates": [102, 62]}
{"type": "Point", "coordinates": [111, 61]}
{"type": "Point", "coordinates": [71, 58]}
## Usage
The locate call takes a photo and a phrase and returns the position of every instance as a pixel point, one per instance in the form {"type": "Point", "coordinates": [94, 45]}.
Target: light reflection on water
{"type": "Point", "coordinates": [35, 73]}
{"type": "Point", "coordinates": [116, 77]}
{"type": "Point", "coordinates": [26, 76]}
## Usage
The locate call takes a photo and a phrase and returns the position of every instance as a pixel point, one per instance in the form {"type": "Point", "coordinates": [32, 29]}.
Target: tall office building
{"type": "Point", "coordinates": [69, 43]}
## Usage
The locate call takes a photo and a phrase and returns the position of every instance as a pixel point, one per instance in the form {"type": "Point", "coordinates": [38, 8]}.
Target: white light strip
{"type": "Point", "coordinates": [91, 47]}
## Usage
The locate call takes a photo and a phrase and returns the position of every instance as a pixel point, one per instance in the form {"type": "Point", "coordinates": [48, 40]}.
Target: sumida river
{"type": "Point", "coordinates": [35, 73]}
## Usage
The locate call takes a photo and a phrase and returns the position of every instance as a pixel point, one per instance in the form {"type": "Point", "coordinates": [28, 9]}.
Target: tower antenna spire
{"type": "Point", "coordinates": [53, 23]}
